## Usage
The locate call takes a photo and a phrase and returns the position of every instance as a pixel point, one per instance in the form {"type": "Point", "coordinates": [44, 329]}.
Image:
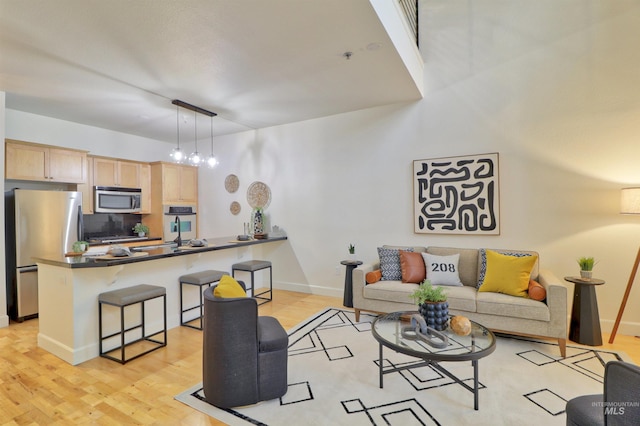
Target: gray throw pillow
{"type": "Point", "coordinates": [390, 263]}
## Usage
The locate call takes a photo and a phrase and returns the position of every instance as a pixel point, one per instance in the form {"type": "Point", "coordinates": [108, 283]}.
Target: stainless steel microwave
{"type": "Point", "coordinates": [110, 199]}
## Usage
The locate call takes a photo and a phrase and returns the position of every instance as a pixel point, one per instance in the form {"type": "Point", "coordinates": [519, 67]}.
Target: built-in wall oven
{"type": "Point", "coordinates": [110, 199]}
{"type": "Point", "coordinates": [180, 221]}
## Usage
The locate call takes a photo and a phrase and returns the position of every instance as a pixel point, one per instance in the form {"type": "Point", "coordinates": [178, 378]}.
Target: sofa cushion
{"type": "Point", "coordinates": [391, 291]}
{"type": "Point", "coordinates": [442, 270]}
{"type": "Point", "coordinates": [390, 263]}
{"type": "Point", "coordinates": [511, 306]}
{"type": "Point", "coordinates": [412, 267]}
{"type": "Point", "coordinates": [467, 265]}
{"type": "Point", "coordinates": [507, 274]}
{"type": "Point", "coordinates": [462, 298]}
{"type": "Point", "coordinates": [482, 262]}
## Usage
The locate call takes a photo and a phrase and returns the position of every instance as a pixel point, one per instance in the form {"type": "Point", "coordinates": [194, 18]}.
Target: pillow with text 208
{"type": "Point", "coordinates": [442, 270]}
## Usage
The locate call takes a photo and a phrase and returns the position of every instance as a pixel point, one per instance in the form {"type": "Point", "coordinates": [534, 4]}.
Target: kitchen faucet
{"type": "Point", "coordinates": [179, 237]}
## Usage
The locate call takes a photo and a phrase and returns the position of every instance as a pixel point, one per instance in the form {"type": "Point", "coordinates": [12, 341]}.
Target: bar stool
{"type": "Point", "coordinates": [252, 266]}
{"type": "Point", "coordinates": [125, 297]}
{"type": "Point", "coordinates": [202, 278]}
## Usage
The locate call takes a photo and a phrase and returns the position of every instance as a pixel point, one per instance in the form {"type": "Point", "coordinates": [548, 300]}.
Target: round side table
{"type": "Point", "coordinates": [585, 319]}
{"type": "Point", "coordinates": [348, 281]}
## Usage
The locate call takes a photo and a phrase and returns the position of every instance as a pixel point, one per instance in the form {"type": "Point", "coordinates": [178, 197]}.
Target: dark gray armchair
{"type": "Point", "coordinates": [618, 406]}
{"type": "Point", "coordinates": [244, 355]}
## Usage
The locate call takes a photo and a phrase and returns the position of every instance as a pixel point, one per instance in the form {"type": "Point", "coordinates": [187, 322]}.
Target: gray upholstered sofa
{"type": "Point", "coordinates": [496, 311]}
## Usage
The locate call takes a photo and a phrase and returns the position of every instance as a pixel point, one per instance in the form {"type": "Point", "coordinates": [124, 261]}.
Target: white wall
{"type": "Point", "coordinates": [560, 107]}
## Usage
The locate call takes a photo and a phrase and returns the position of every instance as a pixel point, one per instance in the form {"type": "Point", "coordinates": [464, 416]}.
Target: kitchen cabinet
{"type": "Point", "coordinates": [87, 189]}
{"type": "Point", "coordinates": [36, 162]}
{"type": "Point", "coordinates": [145, 185]}
{"type": "Point", "coordinates": [171, 184]}
{"type": "Point", "coordinates": [179, 183]}
{"type": "Point", "coordinates": [113, 172]}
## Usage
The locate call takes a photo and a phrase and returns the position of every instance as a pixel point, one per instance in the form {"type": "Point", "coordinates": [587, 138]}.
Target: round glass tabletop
{"type": "Point", "coordinates": [387, 329]}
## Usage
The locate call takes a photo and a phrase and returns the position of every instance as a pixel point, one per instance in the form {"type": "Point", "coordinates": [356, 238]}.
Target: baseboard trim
{"type": "Point", "coordinates": [309, 289]}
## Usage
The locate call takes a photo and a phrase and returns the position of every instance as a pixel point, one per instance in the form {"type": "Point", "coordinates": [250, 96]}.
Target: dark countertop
{"type": "Point", "coordinates": [221, 243]}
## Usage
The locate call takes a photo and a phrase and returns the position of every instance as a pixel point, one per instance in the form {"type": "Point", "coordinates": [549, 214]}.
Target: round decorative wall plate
{"type": "Point", "coordinates": [235, 208]}
{"type": "Point", "coordinates": [258, 195]}
{"type": "Point", "coordinates": [231, 183]}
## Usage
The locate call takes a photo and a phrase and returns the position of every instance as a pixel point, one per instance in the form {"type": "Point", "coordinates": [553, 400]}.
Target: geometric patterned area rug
{"type": "Point", "coordinates": [333, 380]}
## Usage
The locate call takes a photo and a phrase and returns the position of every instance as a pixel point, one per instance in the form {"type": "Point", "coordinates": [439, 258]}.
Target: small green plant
{"type": "Point", "coordinates": [428, 293]}
{"type": "Point", "coordinates": [352, 249]}
{"type": "Point", "coordinates": [586, 263]}
{"type": "Point", "coordinates": [140, 228]}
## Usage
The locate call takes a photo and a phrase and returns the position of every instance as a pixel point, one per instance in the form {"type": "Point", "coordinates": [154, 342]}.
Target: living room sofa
{"type": "Point", "coordinates": [496, 311]}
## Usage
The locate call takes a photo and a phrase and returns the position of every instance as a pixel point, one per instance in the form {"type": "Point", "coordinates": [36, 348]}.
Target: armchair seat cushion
{"type": "Point", "coordinates": [271, 335]}
{"type": "Point", "coordinates": [586, 410]}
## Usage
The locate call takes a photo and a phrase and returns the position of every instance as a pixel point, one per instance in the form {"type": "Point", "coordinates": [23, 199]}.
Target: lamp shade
{"type": "Point", "coordinates": [630, 201]}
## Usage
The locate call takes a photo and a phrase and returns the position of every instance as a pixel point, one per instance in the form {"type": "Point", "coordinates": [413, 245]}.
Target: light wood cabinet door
{"type": "Point", "coordinates": [104, 171]}
{"type": "Point", "coordinates": [170, 183]}
{"type": "Point", "coordinates": [27, 161]}
{"type": "Point", "coordinates": [189, 185]}
{"type": "Point", "coordinates": [67, 166]}
{"type": "Point", "coordinates": [128, 174]}
{"type": "Point", "coordinates": [87, 189]}
{"type": "Point", "coordinates": [145, 185]}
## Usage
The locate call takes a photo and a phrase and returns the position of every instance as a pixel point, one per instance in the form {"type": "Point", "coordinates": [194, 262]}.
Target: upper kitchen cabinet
{"type": "Point", "coordinates": [36, 162]}
{"type": "Point", "coordinates": [112, 172]}
{"type": "Point", "coordinates": [177, 183]}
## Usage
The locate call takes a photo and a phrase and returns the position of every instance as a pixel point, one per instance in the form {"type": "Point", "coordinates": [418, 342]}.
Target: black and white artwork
{"type": "Point", "coordinates": [457, 195]}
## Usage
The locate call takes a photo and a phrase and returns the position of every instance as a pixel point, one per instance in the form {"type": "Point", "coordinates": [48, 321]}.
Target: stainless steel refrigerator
{"type": "Point", "coordinates": [37, 223]}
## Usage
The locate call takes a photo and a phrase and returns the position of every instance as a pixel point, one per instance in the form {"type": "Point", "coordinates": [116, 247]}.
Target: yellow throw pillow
{"type": "Point", "coordinates": [508, 274]}
{"type": "Point", "coordinates": [228, 287]}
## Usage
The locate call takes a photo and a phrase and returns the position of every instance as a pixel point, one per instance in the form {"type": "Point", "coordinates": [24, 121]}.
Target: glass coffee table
{"type": "Point", "coordinates": [387, 330]}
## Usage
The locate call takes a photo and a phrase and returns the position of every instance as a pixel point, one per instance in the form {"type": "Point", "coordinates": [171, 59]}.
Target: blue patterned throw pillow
{"type": "Point", "coordinates": [390, 263]}
{"type": "Point", "coordinates": [483, 263]}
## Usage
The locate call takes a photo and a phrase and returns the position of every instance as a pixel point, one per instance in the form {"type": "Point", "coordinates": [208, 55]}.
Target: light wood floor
{"type": "Point", "coordinates": [38, 388]}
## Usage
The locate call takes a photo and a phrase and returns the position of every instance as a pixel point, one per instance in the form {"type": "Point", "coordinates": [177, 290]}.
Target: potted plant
{"type": "Point", "coordinates": [352, 252]}
{"type": "Point", "coordinates": [141, 229]}
{"type": "Point", "coordinates": [80, 246]}
{"type": "Point", "coordinates": [586, 267]}
{"type": "Point", "coordinates": [432, 304]}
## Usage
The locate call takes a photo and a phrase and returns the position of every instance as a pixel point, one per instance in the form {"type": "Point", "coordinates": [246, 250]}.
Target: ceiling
{"type": "Point", "coordinates": [117, 64]}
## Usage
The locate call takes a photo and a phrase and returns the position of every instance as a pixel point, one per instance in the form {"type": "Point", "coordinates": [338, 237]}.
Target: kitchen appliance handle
{"type": "Point", "coordinates": [22, 269]}
{"type": "Point", "coordinates": [80, 224]}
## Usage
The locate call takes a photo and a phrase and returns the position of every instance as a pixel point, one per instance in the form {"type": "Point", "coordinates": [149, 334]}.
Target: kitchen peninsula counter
{"type": "Point", "coordinates": [68, 289]}
{"type": "Point", "coordinates": [213, 244]}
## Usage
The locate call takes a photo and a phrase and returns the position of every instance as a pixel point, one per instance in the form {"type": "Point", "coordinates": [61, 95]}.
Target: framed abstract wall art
{"type": "Point", "coordinates": [457, 195]}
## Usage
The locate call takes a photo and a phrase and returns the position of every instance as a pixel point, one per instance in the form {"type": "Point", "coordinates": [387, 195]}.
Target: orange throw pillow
{"type": "Point", "coordinates": [536, 291]}
{"type": "Point", "coordinates": [373, 276]}
{"type": "Point", "coordinates": [412, 267]}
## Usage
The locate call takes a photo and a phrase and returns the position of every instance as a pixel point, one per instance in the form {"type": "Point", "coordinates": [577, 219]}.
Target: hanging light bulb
{"type": "Point", "coordinates": [176, 153]}
{"type": "Point", "coordinates": [195, 158]}
{"type": "Point", "coordinates": [211, 161]}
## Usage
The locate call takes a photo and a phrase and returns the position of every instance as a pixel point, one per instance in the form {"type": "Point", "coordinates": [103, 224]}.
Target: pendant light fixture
{"type": "Point", "coordinates": [195, 158]}
{"type": "Point", "coordinates": [176, 153]}
{"type": "Point", "coordinates": [212, 160]}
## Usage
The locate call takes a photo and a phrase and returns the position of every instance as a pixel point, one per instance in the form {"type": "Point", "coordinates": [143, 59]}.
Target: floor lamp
{"type": "Point", "coordinates": [629, 204]}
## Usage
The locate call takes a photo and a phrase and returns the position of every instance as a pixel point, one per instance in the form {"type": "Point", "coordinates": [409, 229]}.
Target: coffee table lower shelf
{"type": "Point", "coordinates": [390, 330]}
{"type": "Point", "coordinates": [438, 367]}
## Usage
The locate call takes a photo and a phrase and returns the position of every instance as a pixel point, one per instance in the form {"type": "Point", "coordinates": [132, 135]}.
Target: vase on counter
{"type": "Point", "coordinates": [257, 221]}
